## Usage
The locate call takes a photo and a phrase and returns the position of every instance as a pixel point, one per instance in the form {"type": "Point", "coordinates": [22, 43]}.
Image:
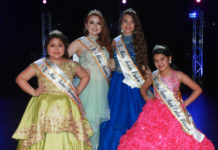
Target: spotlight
{"type": "Point", "coordinates": [124, 1]}
{"type": "Point", "coordinates": [198, 1]}
{"type": "Point", "coordinates": [44, 2]}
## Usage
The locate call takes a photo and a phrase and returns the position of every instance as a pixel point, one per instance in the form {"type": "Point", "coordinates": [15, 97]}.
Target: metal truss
{"type": "Point", "coordinates": [197, 48]}
{"type": "Point", "coordinates": [46, 28]}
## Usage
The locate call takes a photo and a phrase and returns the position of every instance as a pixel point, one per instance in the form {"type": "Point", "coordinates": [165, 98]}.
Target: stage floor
{"type": "Point", "coordinates": [204, 112]}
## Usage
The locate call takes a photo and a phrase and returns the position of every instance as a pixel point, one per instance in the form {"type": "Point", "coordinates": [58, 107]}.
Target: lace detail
{"type": "Point", "coordinates": [68, 68]}
{"type": "Point", "coordinates": [54, 121]}
{"type": "Point", "coordinates": [87, 61]}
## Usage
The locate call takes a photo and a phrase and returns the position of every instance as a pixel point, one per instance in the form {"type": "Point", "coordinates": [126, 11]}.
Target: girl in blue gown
{"type": "Point", "coordinates": [125, 100]}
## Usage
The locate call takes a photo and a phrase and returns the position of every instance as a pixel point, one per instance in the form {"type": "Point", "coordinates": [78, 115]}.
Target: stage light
{"type": "Point", "coordinates": [124, 1]}
{"type": "Point", "coordinates": [44, 2]}
{"type": "Point", "coordinates": [198, 1]}
{"type": "Point", "coordinates": [193, 15]}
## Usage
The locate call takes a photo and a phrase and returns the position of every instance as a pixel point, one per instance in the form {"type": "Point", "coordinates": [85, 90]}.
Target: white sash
{"type": "Point", "coordinates": [99, 57]}
{"type": "Point", "coordinates": [55, 75]}
{"type": "Point", "coordinates": [133, 77]}
{"type": "Point", "coordinates": [176, 108]}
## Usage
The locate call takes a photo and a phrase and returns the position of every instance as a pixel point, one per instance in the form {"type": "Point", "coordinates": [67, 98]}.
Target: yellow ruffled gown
{"type": "Point", "coordinates": [52, 121]}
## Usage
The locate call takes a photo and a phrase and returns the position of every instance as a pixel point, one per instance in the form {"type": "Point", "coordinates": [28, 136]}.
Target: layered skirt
{"type": "Point", "coordinates": [157, 129]}
{"type": "Point", "coordinates": [53, 122]}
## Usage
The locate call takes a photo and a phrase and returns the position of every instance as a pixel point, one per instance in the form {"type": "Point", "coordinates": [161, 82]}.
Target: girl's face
{"type": "Point", "coordinates": [93, 25]}
{"type": "Point", "coordinates": [55, 48]}
{"type": "Point", "coordinates": [127, 25]}
{"type": "Point", "coordinates": [162, 62]}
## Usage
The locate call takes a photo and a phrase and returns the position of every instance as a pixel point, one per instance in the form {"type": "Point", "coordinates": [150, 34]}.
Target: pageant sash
{"type": "Point", "coordinates": [132, 76]}
{"type": "Point", "coordinates": [55, 75]}
{"type": "Point", "coordinates": [99, 57]}
{"type": "Point", "coordinates": [176, 108]}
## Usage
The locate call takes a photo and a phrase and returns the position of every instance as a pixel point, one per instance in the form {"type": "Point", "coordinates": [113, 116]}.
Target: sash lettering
{"type": "Point", "coordinates": [99, 57]}
{"type": "Point", "coordinates": [133, 78]}
{"type": "Point", "coordinates": [182, 115]}
{"type": "Point", "coordinates": [55, 75]}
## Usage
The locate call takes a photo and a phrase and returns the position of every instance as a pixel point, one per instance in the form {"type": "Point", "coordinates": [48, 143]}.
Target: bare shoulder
{"type": "Point", "coordinates": [74, 47]}
{"type": "Point", "coordinates": [76, 44]}
{"type": "Point", "coordinates": [181, 76]}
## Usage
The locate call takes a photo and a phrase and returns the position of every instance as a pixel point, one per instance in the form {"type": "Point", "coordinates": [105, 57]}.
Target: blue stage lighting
{"type": "Point", "coordinates": [193, 15]}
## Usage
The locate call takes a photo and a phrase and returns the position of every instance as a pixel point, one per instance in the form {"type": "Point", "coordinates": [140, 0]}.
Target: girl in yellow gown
{"type": "Point", "coordinates": [54, 118]}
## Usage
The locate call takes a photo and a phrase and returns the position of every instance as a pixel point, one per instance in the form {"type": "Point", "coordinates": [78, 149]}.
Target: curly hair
{"type": "Point", "coordinates": [104, 36]}
{"type": "Point", "coordinates": [138, 42]}
{"type": "Point", "coordinates": [59, 36]}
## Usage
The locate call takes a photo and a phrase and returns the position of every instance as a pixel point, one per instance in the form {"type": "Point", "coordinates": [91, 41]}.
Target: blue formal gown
{"type": "Point", "coordinates": [125, 104]}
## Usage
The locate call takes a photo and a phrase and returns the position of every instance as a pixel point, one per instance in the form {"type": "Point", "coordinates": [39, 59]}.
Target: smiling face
{"type": "Point", "coordinates": [55, 49]}
{"type": "Point", "coordinates": [162, 62]}
{"type": "Point", "coordinates": [93, 25]}
{"type": "Point", "coordinates": [127, 25]}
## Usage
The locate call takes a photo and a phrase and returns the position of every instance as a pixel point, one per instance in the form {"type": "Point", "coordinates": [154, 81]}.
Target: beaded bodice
{"type": "Point", "coordinates": [87, 60]}
{"type": "Point", "coordinates": [69, 69]}
{"type": "Point", "coordinates": [172, 83]}
{"type": "Point", "coordinates": [131, 50]}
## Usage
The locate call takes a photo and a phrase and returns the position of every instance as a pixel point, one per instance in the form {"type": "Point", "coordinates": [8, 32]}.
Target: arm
{"type": "Point", "coordinates": [84, 78]}
{"type": "Point", "coordinates": [74, 47]}
{"type": "Point", "coordinates": [147, 71]}
{"type": "Point", "coordinates": [197, 90]}
{"type": "Point", "coordinates": [145, 87]}
{"type": "Point", "coordinates": [22, 81]}
{"type": "Point", "coordinates": [112, 64]}
{"type": "Point", "coordinates": [112, 61]}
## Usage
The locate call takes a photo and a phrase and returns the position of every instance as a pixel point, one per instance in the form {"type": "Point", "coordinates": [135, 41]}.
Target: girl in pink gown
{"type": "Point", "coordinates": [158, 127]}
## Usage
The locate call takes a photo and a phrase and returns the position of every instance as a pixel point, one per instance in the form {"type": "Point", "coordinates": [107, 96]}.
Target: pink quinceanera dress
{"type": "Point", "coordinates": [157, 128]}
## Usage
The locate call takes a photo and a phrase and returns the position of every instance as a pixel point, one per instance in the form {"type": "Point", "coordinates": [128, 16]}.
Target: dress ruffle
{"type": "Point", "coordinates": [157, 129]}
{"type": "Point", "coordinates": [49, 113]}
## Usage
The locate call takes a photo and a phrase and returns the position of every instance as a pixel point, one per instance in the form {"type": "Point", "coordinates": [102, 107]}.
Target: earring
{"type": "Point", "coordinates": [170, 61]}
{"type": "Point", "coordinates": [121, 30]}
{"type": "Point", "coordinates": [134, 32]}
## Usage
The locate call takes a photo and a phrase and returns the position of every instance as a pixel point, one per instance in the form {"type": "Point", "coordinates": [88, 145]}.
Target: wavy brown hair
{"type": "Point", "coordinates": [138, 42]}
{"type": "Point", "coordinates": [104, 36]}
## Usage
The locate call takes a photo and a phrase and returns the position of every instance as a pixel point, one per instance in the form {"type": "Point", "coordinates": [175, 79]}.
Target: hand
{"type": "Point", "coordinates": [39, 91]}
{"type": "Point", "coordinates": [148, 72]}
{"type": "Point", "coordinates": [147, 98]}
{"type": "Point", "coordinates": [184, 104]}
{"type": "Point", "coordinates": [77, 91]}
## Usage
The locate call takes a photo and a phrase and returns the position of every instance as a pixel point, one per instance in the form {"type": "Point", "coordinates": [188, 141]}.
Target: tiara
{"type": "Point", "coordinates": [129, 10]}
{"type": "Point", "coordinates": [95, 11]}
{"type": "Point", "coordinates": [159, 47]}
{"type": "Point", "coordinates": [55, 32]}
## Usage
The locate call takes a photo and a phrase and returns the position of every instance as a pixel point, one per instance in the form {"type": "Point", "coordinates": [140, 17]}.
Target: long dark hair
{"type": "Point", "coordinates": [138, 41]}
